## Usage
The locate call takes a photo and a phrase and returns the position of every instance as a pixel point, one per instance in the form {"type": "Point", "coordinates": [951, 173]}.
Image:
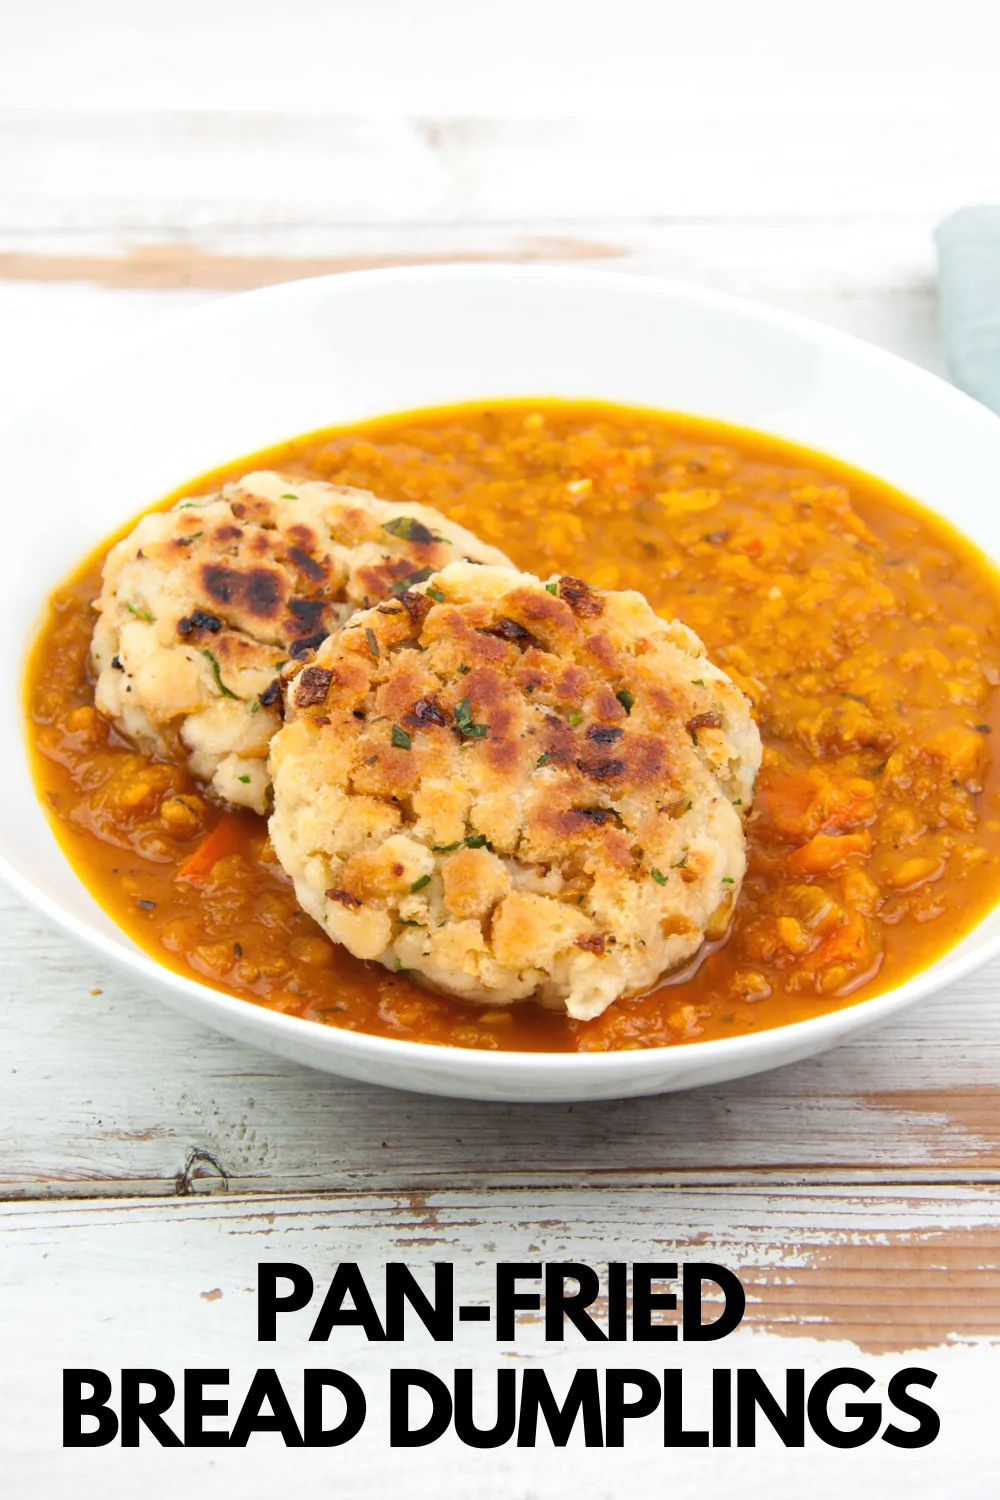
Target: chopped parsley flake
{"type": "Point", "coordinates": [626, 700]}
{"type": "Point", "coordinates": [463, 719]}
{"type": "Point", "coordinates": [682, 861]}
{"type": "Point", "coordinates": [474, 841]}
{"type": "Point", "coordinates": [574, 719]}
{"type": "Point", "coordinates": [697, 682]}
{"type": "Point", "coordinates": [218, 675]}
{"type": "Point", "coordinates": [418, 885]}
{"type": "Point", "coordinates": [400, 738]}
{"type": "Point", "coordinates": [433, 593]}
{"type": "Point", "coordinates": [289, 497]}
{"type": "Point", "coordinates": [658, 876]}
{"type": "Point", "coordinates": [543, 760]}
{"type": "Point", "coordinates": [411, 530]}
{"type": "Point", "coordinates": [403, 585]}
{"type": "Point", "coordinates": [142, 614]}
{"type": "Point", "coordinates": [552, 588]}
{"type": "Point", "coordinates": [728, 880]}
{"type": "Point", "coordinates": [464, 668]}
{"type": "Point", "coordinates": [245, 780]}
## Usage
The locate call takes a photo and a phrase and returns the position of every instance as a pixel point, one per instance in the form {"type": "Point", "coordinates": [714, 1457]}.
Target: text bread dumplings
{"type": "Point", "coordinates": [514, 788]}
{"type": "Point", "coordinates": [202, 605]}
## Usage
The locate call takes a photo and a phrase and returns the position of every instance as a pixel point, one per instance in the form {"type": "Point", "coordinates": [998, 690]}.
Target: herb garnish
{"type": "Point", "coordinates": [142, 614]}
{"type": "Point", "coordinates": [474, 841]}
{"type": "Point", "coordinates": [626, 700]}
{"type": "Point", "coordinates": [400, 738]}
{"type": "Point", "coordinates": [411, 530]}
{"type": "Point", "coordinates": [463, 720]}
{"type": "Point", "coordinates": [658, 876]}
{"type": "Point", "coordinates": [403, 585]}
{"type": "Point", "coordinates": [418, 885]}
{"type": "Point", "coordinates": [218, 675]}
{"type": "Point", "coordinates": [372, 642]}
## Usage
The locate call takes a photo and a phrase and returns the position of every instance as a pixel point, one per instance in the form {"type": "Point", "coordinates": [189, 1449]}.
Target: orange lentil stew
{"type": "Point", "coordinates": [866, 631]}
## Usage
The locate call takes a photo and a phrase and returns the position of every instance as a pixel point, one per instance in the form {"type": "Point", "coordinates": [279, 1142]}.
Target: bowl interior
{"type": "Point", "coordinates": [251, 371]}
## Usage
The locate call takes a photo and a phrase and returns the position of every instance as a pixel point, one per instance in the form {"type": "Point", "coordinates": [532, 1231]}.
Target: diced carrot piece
{"type": "Point", "coordinates": [827, 852]}
{"type": "Point", "coordinates": [802, 803]}
{"type": "Point", "coordinates": [226, 838]}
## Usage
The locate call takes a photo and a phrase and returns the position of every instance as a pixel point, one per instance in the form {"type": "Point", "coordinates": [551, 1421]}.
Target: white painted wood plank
{"type": "Point", "coordinates": [191, 172]}
{"type": "Point", "coordinates": [100, 1092]}
{"type": "Point", "coordinates": [877, 1281]}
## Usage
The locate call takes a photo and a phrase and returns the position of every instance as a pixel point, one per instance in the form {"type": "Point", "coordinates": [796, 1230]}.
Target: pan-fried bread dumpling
{"type": "Point", "coordinates": [202, 605]}
{"type": "Point", "coordinates": [513, 788]}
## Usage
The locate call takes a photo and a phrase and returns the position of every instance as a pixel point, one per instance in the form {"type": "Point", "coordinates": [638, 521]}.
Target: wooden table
{"type": "Point", "coordinates": [148, 1165]}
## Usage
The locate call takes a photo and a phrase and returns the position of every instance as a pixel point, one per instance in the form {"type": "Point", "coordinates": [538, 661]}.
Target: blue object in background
{"type": "Point", "coordinates": [969, 273]}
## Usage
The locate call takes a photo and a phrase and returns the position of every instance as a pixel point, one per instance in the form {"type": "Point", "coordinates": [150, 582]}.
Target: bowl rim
{"type": "Point", "coordinates": [810, 1035]}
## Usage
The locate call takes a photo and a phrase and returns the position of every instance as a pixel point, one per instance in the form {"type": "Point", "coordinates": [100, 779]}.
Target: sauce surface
{"type": "Point", "coordinates": [866, 631]}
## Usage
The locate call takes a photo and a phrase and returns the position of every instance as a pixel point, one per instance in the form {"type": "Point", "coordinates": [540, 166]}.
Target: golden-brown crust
{"type": "Point", "coordinates": [519, 734]}
{"type": "Point", "coordinates": [203, 605]}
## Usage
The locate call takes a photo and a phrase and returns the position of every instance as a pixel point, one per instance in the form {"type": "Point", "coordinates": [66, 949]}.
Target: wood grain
{"type": "Point", "coordinates": [917, 1101]}
{"type": "Point", "coordinates": [179, 265]}
{"type": "Point", "coordinates": [710, 160]}
{"type": "Point", "coordinates": [881, 1280]}
{"type": "Point", "coordinates": [885, 1270]}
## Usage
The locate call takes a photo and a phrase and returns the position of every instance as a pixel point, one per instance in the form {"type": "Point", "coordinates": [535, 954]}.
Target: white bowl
{"type": "Point", "coordinates": [250, 371]}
